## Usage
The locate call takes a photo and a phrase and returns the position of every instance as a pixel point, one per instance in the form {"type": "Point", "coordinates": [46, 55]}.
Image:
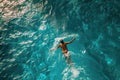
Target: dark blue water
{"type": "Point", "coordinates": [30, 28]}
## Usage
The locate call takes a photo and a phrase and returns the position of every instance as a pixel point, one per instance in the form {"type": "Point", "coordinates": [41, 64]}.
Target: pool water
{"type": "Point", "coordinates": [30, 28]}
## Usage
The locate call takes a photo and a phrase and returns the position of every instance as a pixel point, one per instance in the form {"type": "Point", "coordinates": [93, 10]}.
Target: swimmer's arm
{"type": "Point", "coordinates": [70, 41]}
{"type": "Point", "coordinates": [52, 49]}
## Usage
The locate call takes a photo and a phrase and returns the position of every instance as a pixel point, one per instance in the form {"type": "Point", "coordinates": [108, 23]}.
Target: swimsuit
{"type": "Point", "coordinates": [67, 55]}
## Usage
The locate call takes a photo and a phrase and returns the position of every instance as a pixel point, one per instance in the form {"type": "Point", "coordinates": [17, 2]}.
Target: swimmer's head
{"type": "Point", "coordinates": [61, 41]}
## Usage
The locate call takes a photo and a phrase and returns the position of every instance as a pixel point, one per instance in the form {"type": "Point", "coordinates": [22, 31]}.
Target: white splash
{"type": "Point", "coordinates": [25, 42]}
{"type": "Point", "coordinates": [43, 26]}
{"type": "Point", "coordinates": [63, 37]}
{"type": "Point", "coordinates": [67, 73]}
{"type": "Point", "coordinates": [84, 51]}
{"type": "Point", "coordinates": [57, 40]}
{"type": "Point", "coordinates": [75, 72]}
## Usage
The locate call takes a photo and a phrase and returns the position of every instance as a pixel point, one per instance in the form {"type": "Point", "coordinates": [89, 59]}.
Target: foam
{"type": "Point", "coordinates": [75, 72]}
{"type": "Point", "coordinates": [56, 41]}
{"type": "Point", "coordinates": [70, 73]}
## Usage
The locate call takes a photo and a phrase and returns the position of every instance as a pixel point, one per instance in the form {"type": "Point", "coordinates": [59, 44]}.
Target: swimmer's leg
{"type": "Point", "coordinates": [68, 59]}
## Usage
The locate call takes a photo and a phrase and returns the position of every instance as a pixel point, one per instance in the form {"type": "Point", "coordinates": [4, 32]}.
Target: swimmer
{"type": "Point", "coordinates": [63, 46]}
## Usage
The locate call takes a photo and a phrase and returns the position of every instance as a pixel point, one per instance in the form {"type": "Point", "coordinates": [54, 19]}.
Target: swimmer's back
{"type": "Point", "coordinates": [64, 47]}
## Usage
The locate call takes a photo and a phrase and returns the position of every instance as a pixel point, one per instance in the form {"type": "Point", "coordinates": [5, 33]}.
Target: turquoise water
{"type": "Point", "coordinates": [30, 28]}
